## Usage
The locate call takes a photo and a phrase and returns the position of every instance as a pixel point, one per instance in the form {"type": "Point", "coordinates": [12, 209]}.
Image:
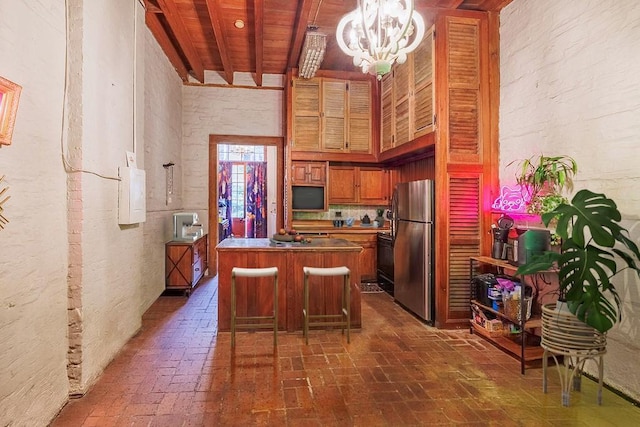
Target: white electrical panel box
{"type": "Point", "coordinates": [131, 196]}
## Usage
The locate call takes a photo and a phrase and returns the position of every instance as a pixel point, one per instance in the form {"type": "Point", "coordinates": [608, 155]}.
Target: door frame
{"type": "Point", "coordinates": [214, 140]}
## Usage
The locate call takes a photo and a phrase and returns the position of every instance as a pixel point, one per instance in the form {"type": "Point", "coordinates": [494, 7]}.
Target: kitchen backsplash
{"type": "Point", "coordinates": [348, 211]}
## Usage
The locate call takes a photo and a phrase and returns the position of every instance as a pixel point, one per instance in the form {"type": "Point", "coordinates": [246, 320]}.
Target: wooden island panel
{"type": "Point", "coordinates": [290, 258]}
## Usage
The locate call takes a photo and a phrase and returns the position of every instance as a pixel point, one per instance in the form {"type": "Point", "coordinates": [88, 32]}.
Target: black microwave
{"type": "Point", "coordinates": [308, 198]}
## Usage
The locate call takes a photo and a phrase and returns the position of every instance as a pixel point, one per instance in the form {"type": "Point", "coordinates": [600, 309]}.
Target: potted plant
{"type": "Point", "coordinates": [592, 242]}
{"type": "Point", "coordinates": [543, 180]}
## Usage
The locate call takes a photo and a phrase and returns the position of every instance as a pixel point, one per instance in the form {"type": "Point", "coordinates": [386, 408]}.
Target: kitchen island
{"type": "Point", "coordinates": [254, 295]}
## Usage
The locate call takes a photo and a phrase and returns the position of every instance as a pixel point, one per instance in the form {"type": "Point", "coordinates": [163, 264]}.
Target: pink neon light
{"type": "Point", "coordinates": [511, 199]}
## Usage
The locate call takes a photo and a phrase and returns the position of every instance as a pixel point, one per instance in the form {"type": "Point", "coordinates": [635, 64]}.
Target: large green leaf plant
{"type": "Point", "coordinates": [592, 241]}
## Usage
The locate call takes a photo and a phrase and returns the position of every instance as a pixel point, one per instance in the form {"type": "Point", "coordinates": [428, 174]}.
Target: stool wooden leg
{"type": "Point", "coordinates": [233, 312]}
{"type": "Point", "coordinates": [275, 312]}
{"type": "Point", "coordinates": [347, 291]}
{"type": "Point", "coordinates": [305, 310]}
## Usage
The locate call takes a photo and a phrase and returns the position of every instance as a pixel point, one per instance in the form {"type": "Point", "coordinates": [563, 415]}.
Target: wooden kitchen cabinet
{"type": "Point", "coordinates": [368, 259]}
{"type": "Point", "coordinates": [407, 98]}
{"type": "Point", "coordinates": [308, 173]}
{"type": "Point", "coordinates": [185, 264]}
{"type": "Point", "coordinates": [361, 185]}
{"type": "Point", "coordinates": [331, 116]}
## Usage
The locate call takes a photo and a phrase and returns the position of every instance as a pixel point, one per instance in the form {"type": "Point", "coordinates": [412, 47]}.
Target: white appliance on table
{"type": "Point", "coordinates": [413, 252]}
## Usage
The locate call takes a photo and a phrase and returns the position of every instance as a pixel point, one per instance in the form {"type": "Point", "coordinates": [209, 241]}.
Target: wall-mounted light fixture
{"type": "Point", "coordinates": [168, 172]}
{"type": "Point", "coordinates": [380, 32]}
{"type": "Point", "coordinates": [315, 44]}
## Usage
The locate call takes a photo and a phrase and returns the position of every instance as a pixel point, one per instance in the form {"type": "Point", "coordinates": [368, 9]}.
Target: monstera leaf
{"type": "Point", "coordinates": [590, 230]}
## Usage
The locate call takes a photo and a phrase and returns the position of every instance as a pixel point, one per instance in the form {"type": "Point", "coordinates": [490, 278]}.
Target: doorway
{"type": "Point", "coordinates": [244, 206]}
{"type": "Point", "coordinates": [245, 188]}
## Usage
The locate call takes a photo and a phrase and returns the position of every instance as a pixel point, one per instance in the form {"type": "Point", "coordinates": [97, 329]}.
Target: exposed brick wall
{"type": "Point", "coordinates": [33, 255]}
{"type": "Point", "coordinates": [71, 279]}
{"type": "Point", "coordinates": [570, 85]}
{"type": "Point", "coordinates": [223, 111]}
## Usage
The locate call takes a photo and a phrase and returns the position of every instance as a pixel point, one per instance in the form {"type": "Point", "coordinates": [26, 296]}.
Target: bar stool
{"type": "Point", "coordinates": [238, 322]}
{"type": "Point", "coordinates": [344, 318]}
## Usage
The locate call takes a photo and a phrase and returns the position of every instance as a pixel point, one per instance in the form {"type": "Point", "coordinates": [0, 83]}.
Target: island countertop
{"type": "Point", "coordinates": [255, 295]}
{"type": "Point", "coordinates": [268, 244]}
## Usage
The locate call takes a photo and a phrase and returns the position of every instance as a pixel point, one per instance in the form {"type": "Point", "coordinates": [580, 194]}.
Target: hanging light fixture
{"type": "Point", "coordinates": [315, 44]}
{"type": "Point", "coordinates": [380, 32]}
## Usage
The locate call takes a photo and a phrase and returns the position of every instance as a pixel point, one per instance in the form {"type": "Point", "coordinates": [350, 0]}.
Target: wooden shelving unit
{"type": "Point", "coordinates": [520, 350]}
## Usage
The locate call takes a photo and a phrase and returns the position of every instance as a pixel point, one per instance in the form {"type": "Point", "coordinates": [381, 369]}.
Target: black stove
{"type": "Point", "coordinates": [385, 262]}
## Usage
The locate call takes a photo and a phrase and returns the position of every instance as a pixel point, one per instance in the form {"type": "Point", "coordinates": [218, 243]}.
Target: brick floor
{"type": "Point", "coordinates": [178, 371]}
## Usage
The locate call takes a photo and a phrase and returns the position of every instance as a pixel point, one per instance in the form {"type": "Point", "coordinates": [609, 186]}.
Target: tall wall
{"type": "Point", "coordinates": [122, 95]}
{"type": "Point", "coordinates": [570, 84]}
{"type": "Point", "coordinates": [33, 258]}
{"type": "Point", "coordinates": [223, 111]}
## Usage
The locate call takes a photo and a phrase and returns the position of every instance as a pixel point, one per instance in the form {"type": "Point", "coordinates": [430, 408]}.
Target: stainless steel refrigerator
{"type": "Point", "coordinates": [413, 227]}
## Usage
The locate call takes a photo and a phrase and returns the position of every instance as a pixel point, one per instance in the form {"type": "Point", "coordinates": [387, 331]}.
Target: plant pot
{"type": "Point", "coordinates": [563, 334]}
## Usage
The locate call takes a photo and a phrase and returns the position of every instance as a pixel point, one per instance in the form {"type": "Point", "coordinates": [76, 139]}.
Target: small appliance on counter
{"type": "Point", "coordinates": [501, 237]}
{"type": "Point", "coordinates": [530, 242]}
{"type": "Point", "coordinates": [186, 227]}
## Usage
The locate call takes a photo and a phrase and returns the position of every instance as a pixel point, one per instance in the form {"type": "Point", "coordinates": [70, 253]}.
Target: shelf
{"type": "Point", "coordinates": [533, 322]}
{"type": "Point", "coordinates": [531, 353]}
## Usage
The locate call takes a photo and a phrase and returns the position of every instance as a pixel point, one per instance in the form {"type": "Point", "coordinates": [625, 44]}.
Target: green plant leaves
{"type": "Point", "coordinates": [589, 228]}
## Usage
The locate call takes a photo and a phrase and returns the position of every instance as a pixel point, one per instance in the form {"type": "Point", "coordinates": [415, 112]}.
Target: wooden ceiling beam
{"type": "Point", "coordinates": [258, 19]}
{"type": "Point", "coordinates": [214, 16]}
{"type": "Point", "coordinates": [300, 29]}
{"type": "Point", "coordinates": [172, 15]}
{"type": "Point", "coordinates": [156, 28]}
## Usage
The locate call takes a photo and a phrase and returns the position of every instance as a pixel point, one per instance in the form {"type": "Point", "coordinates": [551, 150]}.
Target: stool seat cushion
{"type": "Point", "coordinates": [254, 272]}
{"type": "Point", "coordinates": [332, 271]}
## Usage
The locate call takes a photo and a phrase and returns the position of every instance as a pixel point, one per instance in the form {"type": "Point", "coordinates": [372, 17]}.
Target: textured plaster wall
{"type": "Point", "coordinates": [33, 315]}
{"type": "Point", "coordinates": [67, 223]}
{"type": "Point", "coordinates": [570, 84]}
{"type": "Point", "coordinates": [224, 111]}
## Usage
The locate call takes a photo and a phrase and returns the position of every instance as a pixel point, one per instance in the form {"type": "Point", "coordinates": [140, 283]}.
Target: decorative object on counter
{"type": "Point", "coordinates": [587, 264]}
{"type": "Point", "coordinates": [380, 217]}
{"type": "Point", "coordinates": [365, 220]}
{"type": "Point", "coordinates": [338, 221]}
{"type": "Point", "coordinates": [350, 222]}
{"type": "Point", "coordinates": [543, 180]}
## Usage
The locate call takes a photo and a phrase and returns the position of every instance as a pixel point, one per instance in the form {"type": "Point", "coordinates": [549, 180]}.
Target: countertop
{"type": "Point", "coordinates": [268, 244]}
{"type": "Point", "coordinates": [327, 227]}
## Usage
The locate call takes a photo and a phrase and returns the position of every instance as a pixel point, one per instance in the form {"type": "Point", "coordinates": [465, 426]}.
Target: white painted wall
{"type": "Point", "coordinates": [33, 303]}
{"type": "Point", "coordinates": [570, 84]}
{"type": "Point", "coordinates": [224, 111]}
{"type": "Point", "coordinates": [121, 268]}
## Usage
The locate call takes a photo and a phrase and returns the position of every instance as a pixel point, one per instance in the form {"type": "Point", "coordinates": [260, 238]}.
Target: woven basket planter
{"type": "Point", "coordinates": [564, 335]}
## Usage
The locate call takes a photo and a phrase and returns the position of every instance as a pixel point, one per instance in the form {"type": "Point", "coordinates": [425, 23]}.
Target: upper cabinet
{"type": "Point", "coordinates": [308, 173]}
{"type": "Point", "coordinates": [407, 98]}
{"type": "Point", "coordinates": [331, 116]}
{"type": "Point", "coordinates": [360, 185]}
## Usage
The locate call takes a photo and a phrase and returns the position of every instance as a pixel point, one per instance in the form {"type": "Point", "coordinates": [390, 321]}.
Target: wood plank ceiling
{"type": "Point", "coordinates": [201, 35]}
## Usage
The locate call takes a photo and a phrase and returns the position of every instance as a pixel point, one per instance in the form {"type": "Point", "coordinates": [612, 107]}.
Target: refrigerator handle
{"type": "Point", "coordinates": [394, 215]}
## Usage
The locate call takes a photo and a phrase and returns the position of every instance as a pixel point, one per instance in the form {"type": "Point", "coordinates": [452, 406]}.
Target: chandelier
{"type": "Point", "coordinates": [315, 44]}
{"type": "Point", "coordinates": [380, 32]}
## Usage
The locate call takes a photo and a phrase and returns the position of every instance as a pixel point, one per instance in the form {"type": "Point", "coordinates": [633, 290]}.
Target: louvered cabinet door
{"type": "Point", "coordinates": [306, 115]}
{"type": "Point", "coordinates": [464, 149]}
{"type": "Point", "coordinates": [423, 96]}
{"type": "Point", "coordinates": [359, 117]}
{"type": "Point", "coordinates": [334, 134]}
{"type": "Point", "coordinates": [401, 91]}
{"type": "Point", "coordinates": [387, 109]}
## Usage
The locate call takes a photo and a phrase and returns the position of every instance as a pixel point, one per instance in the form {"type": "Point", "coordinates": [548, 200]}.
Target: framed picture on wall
{"type": "Point", "coordinates": [9, 96]}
